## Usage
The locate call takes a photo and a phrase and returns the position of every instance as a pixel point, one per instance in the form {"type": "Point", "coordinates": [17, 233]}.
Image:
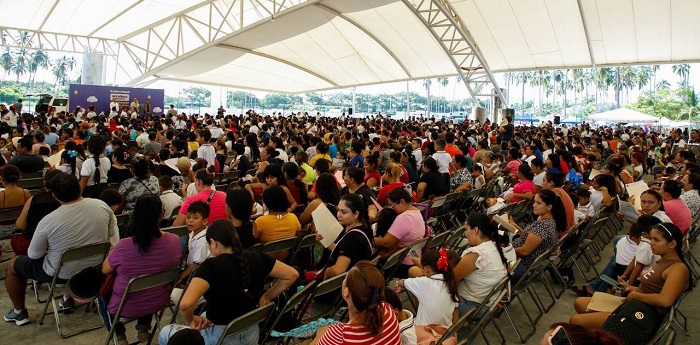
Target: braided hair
{"type": "Point", "coordinates": [96, 146]}
{"type": "Point", "coordinates": [222, 231]}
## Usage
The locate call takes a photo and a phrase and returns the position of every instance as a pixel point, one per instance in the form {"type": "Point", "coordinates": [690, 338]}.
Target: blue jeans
{"type": "Point", "coordinates": [465, 305]}
{"type": "Point", "coordinates": [212, 334]}
{"type": "Point", "coordinates": [609, 270]}
{"type": "Point", "coordinates": [142, 323]}
{"type": "Point", "coordinates": [518, 272]}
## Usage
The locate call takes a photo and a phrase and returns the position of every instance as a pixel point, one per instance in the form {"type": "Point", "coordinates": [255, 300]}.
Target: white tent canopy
{"type": "Point", "coordinates": [308, 45]}
{"type": "Point", "coordinates": [623, 115]}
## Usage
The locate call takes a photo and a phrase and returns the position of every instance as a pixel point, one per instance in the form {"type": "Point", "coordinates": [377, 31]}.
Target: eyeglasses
{"type": "Point", "coordinates": [392, 205]}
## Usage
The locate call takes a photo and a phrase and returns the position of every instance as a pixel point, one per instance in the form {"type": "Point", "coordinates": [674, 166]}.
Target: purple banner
{"type": "Point", "coordinates": [101, 96]}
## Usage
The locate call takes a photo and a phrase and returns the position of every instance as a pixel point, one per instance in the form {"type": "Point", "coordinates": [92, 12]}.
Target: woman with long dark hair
{"type": "Point", "coordinates": [251, 147]}
{"type": "Point", "coordinates": [482, 265]}
{"type": "Point", "coordinates": [541, 235]}
{"type": "Point", "coordinates": [148, 251]}
{"type": "Point", "coordinates": [296, 186]}
{"type": "Point", "coordinates": [659, 286]}
{"type": "Point", "coordinates": [239, 207]}
{"type": "Point", "coordinates": [232, 282]}
{"type": "Point", "coordinates": [328, 194]}
{"type": "Point", "coordinates": [143, 183]}
{"type": "Point", "coordinates": [93, 173]}
{"type": "Point", "coordinates": [372, 320]}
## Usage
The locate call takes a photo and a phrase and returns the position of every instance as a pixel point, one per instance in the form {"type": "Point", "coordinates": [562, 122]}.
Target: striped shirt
{"type": "Point", "coordinates": [343, 333]}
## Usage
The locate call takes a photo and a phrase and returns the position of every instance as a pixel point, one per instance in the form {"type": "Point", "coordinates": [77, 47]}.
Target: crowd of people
{"type": "Point", "coordinates": [373, 174]}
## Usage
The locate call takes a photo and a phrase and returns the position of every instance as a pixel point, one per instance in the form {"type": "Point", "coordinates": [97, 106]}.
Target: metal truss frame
{"type": "Point", "coordinates": [195, 29]}
{"type": "Point", "coordinates": [446, 26]}
{"type": "Point", "coordinates": [29, 39]}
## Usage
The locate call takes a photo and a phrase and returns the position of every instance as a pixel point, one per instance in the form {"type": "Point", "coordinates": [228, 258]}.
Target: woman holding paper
{"type": "Point", "coordinates": [354, 242]}
{"type": "Point", "coordinates": [652, 205]}
{"type": "Point", "coordinates": [541, 235]}
{"type": "Point", "coordinates": [659, 287]}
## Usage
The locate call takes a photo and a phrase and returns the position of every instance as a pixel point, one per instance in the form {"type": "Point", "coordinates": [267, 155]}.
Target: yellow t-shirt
{"type": "Point", "coordinates": [269, 228]}
{"type": "Point", "coordinates": [194, 146]}
{"type": "Point", "coordinates": [313, 160]}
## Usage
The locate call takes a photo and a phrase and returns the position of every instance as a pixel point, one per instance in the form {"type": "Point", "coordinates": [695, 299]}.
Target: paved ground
{"type": "Point", "coordinates": [34, 333]}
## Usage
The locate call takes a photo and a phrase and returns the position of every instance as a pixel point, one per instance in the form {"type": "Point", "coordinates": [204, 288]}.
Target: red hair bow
{"type": "Point", "coordinates": [442, 261]}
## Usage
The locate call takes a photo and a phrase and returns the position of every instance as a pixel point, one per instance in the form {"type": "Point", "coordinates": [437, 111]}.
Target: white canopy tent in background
{"type": "Point", "coordinates": [623, 115]}
{"type": "Point", "coordinates": [298, 46]}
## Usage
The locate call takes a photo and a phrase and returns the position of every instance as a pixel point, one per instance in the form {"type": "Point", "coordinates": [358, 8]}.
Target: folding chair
{"type": "Point", "coordinates": [393, 263]}
{"type": "Point", "coordinates": [479, 325]}
{"type": "Point", "coordinates": [280, 246]}
{"type": "Point", "coordinates": [252, 172]}
{"type": "Point", "coordinates": [308, 241]}
{"type": "Point", "coordinates": [664, 328]}
{"type": "Point", "coordinates": [9, 216]}
{"type": "Point", "coordinates": [142, 283]}
{"type": "Point", "coordinates": [71, 255]}
{"type": "Point", "coordinates": [456, 326]}
{"type": "Point", "coordinates": [258, 316]}
{"type": "Point", "coordinates": [324, 288]}
{"type": "Point", "coordinates": [180, 231]}
{"type": "Point", "coordinates": [31, 183]}
{"type": "Point", "coordinates": [438, 240]}
{"type": "Point", "coordinates": [292, 306]}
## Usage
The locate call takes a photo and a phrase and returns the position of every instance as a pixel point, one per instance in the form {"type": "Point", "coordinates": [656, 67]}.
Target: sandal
{"type": "Point", "coordinates": [581, 291]}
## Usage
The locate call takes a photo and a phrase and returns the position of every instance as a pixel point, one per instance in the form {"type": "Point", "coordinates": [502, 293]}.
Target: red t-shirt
{"type": "Point", "coordinates": [382, 196]}
{"type": "Point", "coordinates": [452, 150]}
{"type": "Point", "coordinates": [523, 187]}
{"type": "Point", "coordinates": [343, 333]}
{"type": "Point", "coordinates": [217, 206]}
{"type": "Point", "coordinates": [376, 176]}
{"type": "Point", "coordinates": [404, 175]}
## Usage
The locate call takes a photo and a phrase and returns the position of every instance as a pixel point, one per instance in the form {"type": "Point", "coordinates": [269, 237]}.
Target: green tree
{"type": "Point", "coordinates": [37, 58]}
{"type": "Point", "coordinates": [20, 63]}
{"type": "Point", "coordinates": [6, 61]}
{"type": "Point", "coordinates": [237, 99]}
{"type": "Point", "coordinates": [314, 98]}
{"type": "Point", "coordinates": [198, 96]}
{"type": "Point", "coordinates": [281, 101]}
{"type": "Point", "coordinates": [683, 71]}
{"type": "Point", "coordinates": [60, 69]}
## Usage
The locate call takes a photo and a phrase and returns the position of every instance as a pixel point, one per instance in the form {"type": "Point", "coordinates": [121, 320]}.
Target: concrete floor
{"type": "Point", "coordinates": [34, 333]}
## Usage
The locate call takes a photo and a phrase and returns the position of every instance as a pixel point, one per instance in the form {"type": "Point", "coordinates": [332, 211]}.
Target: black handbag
{"type": "Point", "coordinates": [633, 322]}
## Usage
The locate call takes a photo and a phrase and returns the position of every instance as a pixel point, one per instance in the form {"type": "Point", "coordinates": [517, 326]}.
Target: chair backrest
{"type": "Point", "coordinates": [175, 212]}
{"type": "Point", "coordinates": [148, 281]}
{"type": "Point", "coordinates": [84, 252]}
{"type": "Point", "coordinates": [252, 172]}
{"type": "Point", "coordinates": [537, 266]}
{"type": "Point", "coordinates": [293, 302]}
{"type": "Point", "coordinates": [439, 240]}
{"type": "Point", "coordinates": [280, 245]}
{"type": "Point", "coordinates": [329, 285]}
{"type": "Point", "coordinates": [456, 326]}
{"type": "Point", "coordinates": [122, 219]}
{"type": "Point", "coordinates": [10, 215]}
{"type": "Point", "coordinates": [180, 231]}
{"type": "Point", "coordinates": [392, 263]}
{"type": "Point", "coordinates": [254, 317]}
{"type": "Point", "coordinates": [481, 322]}
{"type": "Point", "coordinates": [419, 245]}
{"type": "Point", "coordinates": [31, 183]}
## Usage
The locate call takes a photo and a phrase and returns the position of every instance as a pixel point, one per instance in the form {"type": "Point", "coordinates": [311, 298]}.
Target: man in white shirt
{"type": "Point", "coordinates": [206, 151]}
{"type": "Point", "coordinates": [168, 198]}
{"type": "Point", "coordinates": [216, 132]}
{"type": "Point", "coordinates": [141, 136]}
{"type": "Point", "coordinates": [114, 103]}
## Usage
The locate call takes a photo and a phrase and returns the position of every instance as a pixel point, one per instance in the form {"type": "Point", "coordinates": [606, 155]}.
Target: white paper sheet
{"type": "Point", "coordinates": [594, 173]}
{"type": "Point", "coordinates": [503, 220]}
{"type": "Point", "coordinates": [628, 211]}
{"type": "Point", "coordinates": [326, 224]}
{"type": "Point", "coordinates": [636, 189]}
{"type": "Point", "coordinates": [55, 160]}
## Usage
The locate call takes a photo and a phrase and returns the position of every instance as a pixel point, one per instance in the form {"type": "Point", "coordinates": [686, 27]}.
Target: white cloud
{"type": "Point", "coordinates": [92, 99]}
{"type": "Point", "coordinates": [157, 110]}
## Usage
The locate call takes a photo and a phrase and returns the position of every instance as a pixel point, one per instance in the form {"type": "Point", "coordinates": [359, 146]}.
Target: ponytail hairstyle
{"type": "Point", "coordinates": [579, 335]}
{"type": "Point", "coordinates": [558, 213]}
{"type": "Point", "coordinates": [671, 232]}
{"type": "Point", "coordinates": [69, 156]}
{"type": "Point", "coordinates": [356, 204]}
{"type": "Point", "coordinates": [366, 286]}
{"type": "Point", "coordinates": [489, 230]}
{"type": "Point", "coordinates": [439, 262]}
{"type": "Point", "coordinates": [148, 211]}
{"type": "Point", "coordinates": [96, 146]}
{"type": "Point", "coordinates": [206, 175]}
{"type": "Point", "coordinates": [222, 231]}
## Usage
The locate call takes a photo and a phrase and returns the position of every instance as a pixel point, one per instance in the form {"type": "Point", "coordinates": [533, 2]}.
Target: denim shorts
{"type": "Point", "coordinates": [212, 334]}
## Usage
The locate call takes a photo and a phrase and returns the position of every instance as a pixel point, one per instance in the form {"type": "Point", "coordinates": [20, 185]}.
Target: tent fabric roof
{"type": "Point", "coordinates": [624, 115]}
{"type": "Point", "coordinates": [327, 44]}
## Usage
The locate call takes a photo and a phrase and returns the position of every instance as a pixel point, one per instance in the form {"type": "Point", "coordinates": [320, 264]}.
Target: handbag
{"type": "Point", "coordinates": [86, 284]}
{"type": "Point", "coordinates": [633, 322]}
{"type": "Point", "coordinates": [431, 334]}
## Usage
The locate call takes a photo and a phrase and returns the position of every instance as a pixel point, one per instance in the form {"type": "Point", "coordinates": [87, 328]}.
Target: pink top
{"type": "Point", "coordinates": [408, 227]}
{"type": "Point", "coordinates": [679, 213]}
{"type": "Point", "coordinates": [128, 261]}
{"type": "Point", "coordinates": [217, 206]}
{"type": "Point", "coordinates": [523, 187]}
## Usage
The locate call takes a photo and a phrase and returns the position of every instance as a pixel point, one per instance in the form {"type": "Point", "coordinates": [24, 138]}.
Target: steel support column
{"type": "Point", "coordinates": [444, 23]}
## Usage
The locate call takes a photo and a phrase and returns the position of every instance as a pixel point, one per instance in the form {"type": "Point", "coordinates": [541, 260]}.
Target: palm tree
{"type": "Point", "coordinates": [643, 75]}
{"type": "Point", "coordinates": [38, 58]}
{"type": "Point", "coordinates": [6, 61]}
{"type": "Point", "coordinates": [663, 85]}
{"type": "Point", "coordinates": [683, 71]}
{"type": "Point", "coordinates": [60, 69]}
{"type": "Point", "coordinates": [654, 69]}
{"type": "Point", "coordinates": [604, 78]}
{"type": "Point", "coordinates": [426, 84]}
{"type": "Point", "coordinates": [444, 82]}
{"type": "Point", "coordinates": [691, 103]}
{"type": "Point", "coordinates": [626, 80]}
{"type": "Point", "coordinates": [523, 78]}
{"type": "Point", "coordinates": [20, 63]}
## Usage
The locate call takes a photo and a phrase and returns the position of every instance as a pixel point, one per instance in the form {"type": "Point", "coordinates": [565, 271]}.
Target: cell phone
{"type": "Point", "coordinates": [559, 337]}
{"type": "Point", "coordinates": [616, 284]}
{"type": "Point", "coordinates": [414, 254]}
